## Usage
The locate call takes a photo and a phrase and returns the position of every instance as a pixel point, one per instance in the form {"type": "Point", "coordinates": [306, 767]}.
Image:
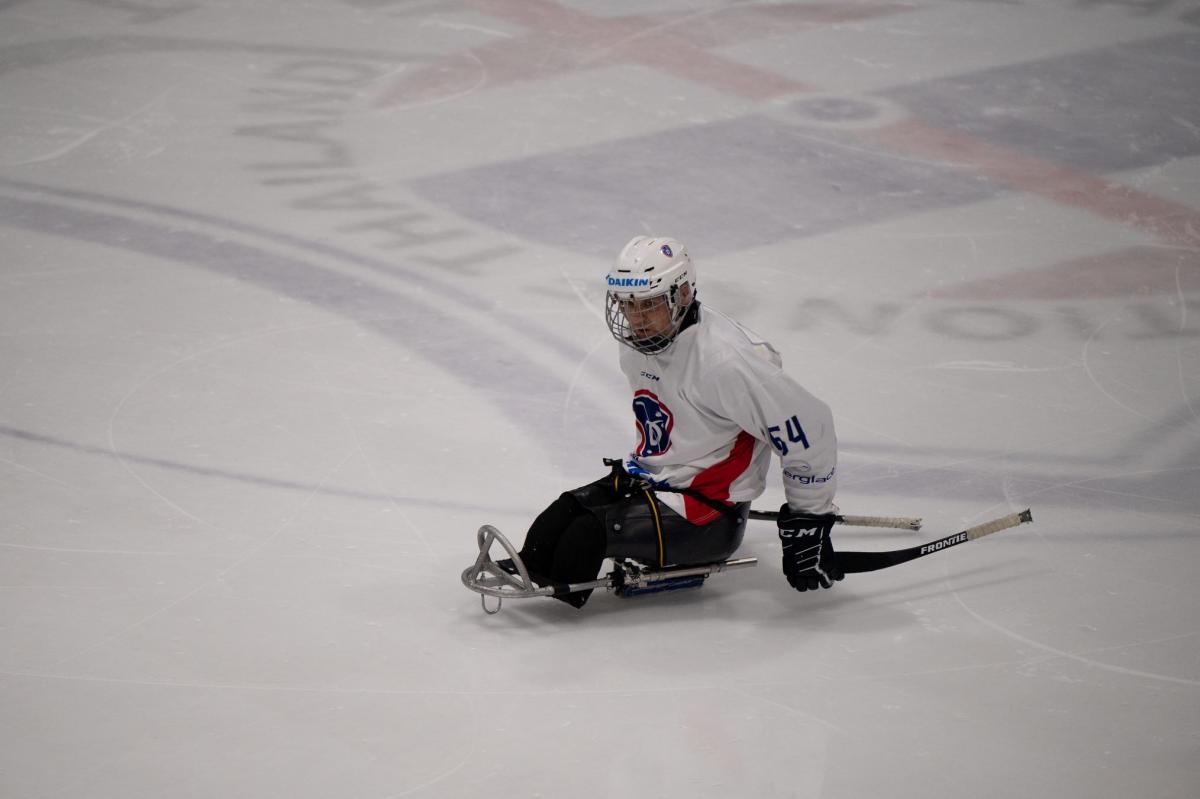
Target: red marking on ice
{"type": "Point", "coordinates": [1135, 270]}
{"type": "Point", "coordinates": [1126, 272]}
{"type": "Point", "coordinates": [1170, 222]}
{"type": "Point", "coordinates": [562, 39]}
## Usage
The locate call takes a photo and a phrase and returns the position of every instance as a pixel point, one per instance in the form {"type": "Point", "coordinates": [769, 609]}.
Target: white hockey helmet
{"type": "Point", "coordinates": [650, 288]}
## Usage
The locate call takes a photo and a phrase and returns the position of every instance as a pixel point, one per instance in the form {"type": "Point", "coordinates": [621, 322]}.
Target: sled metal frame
{"type": "Point", "coordinates": [487, 578]}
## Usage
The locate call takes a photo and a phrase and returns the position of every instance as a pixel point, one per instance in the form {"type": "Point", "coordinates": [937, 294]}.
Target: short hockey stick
{"type": "Point", "coordinates": [899, 522]}
{"type": "Point", "coordinates": [851, 562]}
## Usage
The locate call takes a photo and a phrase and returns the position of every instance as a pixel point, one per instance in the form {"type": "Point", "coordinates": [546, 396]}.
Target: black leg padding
{"type": "Point", "coordinates": [565, 544]}
{"type": "Point", "coordinates": [546, 532]}
{"type": "Point", "coordinates": [578, 556]}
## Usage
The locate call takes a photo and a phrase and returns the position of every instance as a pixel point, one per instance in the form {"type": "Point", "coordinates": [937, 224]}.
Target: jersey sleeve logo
{"type": "Point", "coordinates": [654, 423]}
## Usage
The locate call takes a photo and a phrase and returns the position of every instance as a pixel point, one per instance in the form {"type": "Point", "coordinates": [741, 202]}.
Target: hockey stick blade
{"type": "Point", "coordinates": [853, 562]}
{"type": "Point", "coordinates": [897, 522]}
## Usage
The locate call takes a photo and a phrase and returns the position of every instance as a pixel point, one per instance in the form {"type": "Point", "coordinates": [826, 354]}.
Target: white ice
{"type": "Point", "coordinates": [296, 296]}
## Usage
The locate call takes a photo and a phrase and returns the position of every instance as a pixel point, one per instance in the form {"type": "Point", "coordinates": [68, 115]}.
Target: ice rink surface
{"type": "Point", "coordinates": [295, 296]}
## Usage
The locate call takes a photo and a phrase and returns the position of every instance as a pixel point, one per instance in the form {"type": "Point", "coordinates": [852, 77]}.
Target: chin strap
{"type": "Point", "coordinates": [690, 317]}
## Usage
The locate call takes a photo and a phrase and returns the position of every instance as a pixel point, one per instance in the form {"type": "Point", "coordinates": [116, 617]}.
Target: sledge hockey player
{"type": "Point", "coordinates": [710, 402]}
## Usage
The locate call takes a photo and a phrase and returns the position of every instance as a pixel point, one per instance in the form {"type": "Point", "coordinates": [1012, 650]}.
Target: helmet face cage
{"type": "Point", "coordinates": [616, 313]}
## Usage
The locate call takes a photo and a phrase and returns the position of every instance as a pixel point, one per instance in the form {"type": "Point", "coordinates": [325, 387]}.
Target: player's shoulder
{"type": "Point", "coordinates": [727, 342]}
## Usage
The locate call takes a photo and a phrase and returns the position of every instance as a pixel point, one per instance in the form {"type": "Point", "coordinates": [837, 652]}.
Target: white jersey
{"type": "Point", "coordinates": [710, 410]}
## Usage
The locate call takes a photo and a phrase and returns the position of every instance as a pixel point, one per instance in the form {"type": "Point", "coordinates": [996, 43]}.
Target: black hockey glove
{"type": "Point", "coordinates": [809, 561]}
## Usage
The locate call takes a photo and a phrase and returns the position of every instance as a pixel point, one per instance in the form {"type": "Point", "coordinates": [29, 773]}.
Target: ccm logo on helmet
{"type": "Point", "coordinates": [628, 281]}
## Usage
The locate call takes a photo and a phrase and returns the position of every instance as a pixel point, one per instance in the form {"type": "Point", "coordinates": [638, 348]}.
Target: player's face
{"type": "Point", "coordinates": [648, 318]}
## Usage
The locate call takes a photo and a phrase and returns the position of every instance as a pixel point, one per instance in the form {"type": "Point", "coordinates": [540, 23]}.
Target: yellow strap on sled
{"type": "Point", "coordinates": [662, 550]}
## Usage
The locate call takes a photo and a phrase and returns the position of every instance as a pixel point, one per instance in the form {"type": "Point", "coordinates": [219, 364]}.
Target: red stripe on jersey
{"type": "Point", "coordinates": [714, 482]}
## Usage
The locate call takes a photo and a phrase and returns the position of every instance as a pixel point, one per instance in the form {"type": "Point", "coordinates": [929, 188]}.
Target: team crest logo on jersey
{"type": "Point", "coordinates": [654, 423]}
